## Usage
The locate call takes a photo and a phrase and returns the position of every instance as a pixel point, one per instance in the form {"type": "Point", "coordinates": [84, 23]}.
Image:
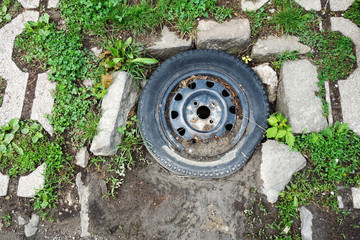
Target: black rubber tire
{"type": "Point", "coordinates": [148, 109]}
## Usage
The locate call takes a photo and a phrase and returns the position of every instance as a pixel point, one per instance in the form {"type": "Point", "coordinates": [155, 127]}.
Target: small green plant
{"type": "Point", "coordinates": [7, 220]}
{"type": "Point", "coordinates": [7, 135]}
{"type": "Point", "coordinates": [124, 56]}
{"type": "Point", "coordinates": [279, 130]}
{"type": "Point", "coordinates": [285, 56]}
{"type": "Point", "coordinates": [42, 27]}
{"type": "Point", "coordinates": [290, 18]}
{"type": "Point", "coordinates": [353, 12]}
{"type": "Point", "coordinates": [8, 8]}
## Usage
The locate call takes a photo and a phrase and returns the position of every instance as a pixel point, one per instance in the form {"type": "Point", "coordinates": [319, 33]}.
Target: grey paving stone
{"type": "Point", "coordinates": [310, 4]}
{"type": "Point", "coordinates": [230, 36]}
{"type": "Point", "coordinates": [277, 167]}
{"type": "Point", "coordinates": [29, 184]}
{"type": "Point", "coordinates": [116, 105]}
{"type": "Point", "coordinates": [340, 5]}
{"type": "Point", "coordinates": [169, 45]}
{"type": "Point", "coordinates": [265, 49]}
{"type": "Point", "coordinates": [97, 51]}
{"type": "Point", "coordinates": [297, 98]}
{"type": "Point", "coordinates": [269, 78]}
{"type": "Point", "coordinates": [82, 157]}
{"type": "Point", "coordinates": [84, 193]}
{"type": "Point", "coordinates": [355, 192]}
{"type": "Point", "coordinates": [306, 223]}
{"type": "Point", "coordinates": [53, 3]}
{"type": "Point", "coordinates": [21, 220]}
{"type": "Point", "coordinates": [340, 202]}
{"type": "Point", "coordinates": [327, 97]}
{"type": "Point", "coordinates": [43, 101]}
{"type": "Point", "coordinates": [249, 5]}
{"type": "Point", "coordinates": [350, 100]}
{"type": "Point", "coordinates": [4, 184]}
{"type": "Point", "coordinates": [32, 226]}
{"type": "Point", "coordinates": [16, 79]}
{"type": "Point", "coordinates": [29, 3]}
{"type": "Point", "coordinates": [349, 29]}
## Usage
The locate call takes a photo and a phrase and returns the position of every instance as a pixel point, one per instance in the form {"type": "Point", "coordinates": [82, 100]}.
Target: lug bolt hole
{"type": "Point", "coordinates": [195, 103]}
{"type": "Point", "coordinates": [210, 84]}
{"type": "Point", "coordinates": [228, 127]}
{"type": "Point", "coordinates": [178, 97]}
{"type": "Point", "coordinates": [181, 131]}
{"type": "Point", "coordinates": [174, 114]}
{"type": "Point", "coordinates": [192, 85]}
{"type": "Point", "coordinates": [232, 109]}
{"type": "Point", "coordinates": [225, 93]}
{"type": "Point", "coordinates": [211, 121]}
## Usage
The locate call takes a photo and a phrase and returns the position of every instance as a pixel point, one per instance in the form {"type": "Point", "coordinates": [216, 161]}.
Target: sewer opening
{"type": "Point", "coordinates": [203, 112]}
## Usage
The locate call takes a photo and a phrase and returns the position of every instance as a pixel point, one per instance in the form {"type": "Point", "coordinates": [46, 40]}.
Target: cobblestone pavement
{"type": "Point", "coordinates": [216, 222]}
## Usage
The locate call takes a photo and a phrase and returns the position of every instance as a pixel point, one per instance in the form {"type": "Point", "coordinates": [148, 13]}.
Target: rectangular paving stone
{"type": "Point", "coordinates": [297, 97]}
{"type": "Point", "coordinates": [4, 183]}
{"type": "Point", "coordinates": [43, 101]}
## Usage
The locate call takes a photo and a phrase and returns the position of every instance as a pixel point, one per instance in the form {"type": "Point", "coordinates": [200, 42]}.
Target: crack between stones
{"type": "Point", "coordinates": [334, 92]}
{"type": "Point", "coordinates": [29, 95]}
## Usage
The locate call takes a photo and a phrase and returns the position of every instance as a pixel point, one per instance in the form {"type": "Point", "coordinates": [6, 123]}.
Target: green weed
{"type": "Point", "coordinates": [8, 9]}
{"type": "Point", "coordinates": [333, 160]}
{"type": "Point", "coordinates": [63, 53]}
{"type": "Point", "coordinates": [124, 56]}
{"type": "Point", "coordinates": [284, 57]}
{"type": "Point", "coordinates": [98, 17]}
{"type": "Point", "coordinates": [353, 12]}
{"type": "Point", "coordinates": [280, 130]}
{"type": "Point", "coordinates": [7, 220]}
{"type": "Point", "coordinates": [24, 146]}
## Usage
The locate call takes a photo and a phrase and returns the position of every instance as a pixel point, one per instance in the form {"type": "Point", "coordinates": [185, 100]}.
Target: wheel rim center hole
{"type": "Point", "coordinates": [203, 112]}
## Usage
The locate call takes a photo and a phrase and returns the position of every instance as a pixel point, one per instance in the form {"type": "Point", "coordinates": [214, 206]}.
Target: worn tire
{"type": "Point", "coordinates": [150, 105]}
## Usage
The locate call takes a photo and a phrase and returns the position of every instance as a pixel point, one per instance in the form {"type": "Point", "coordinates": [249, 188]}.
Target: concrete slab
{"type": "Point", "coordinates": [350, 100]}
{"type": "Point", "coordinates": [4, 183]}
{"type": "Point", "coordinates": [43, 101]}
{"type": "Point", "coordinates": [310, 4]}
{"type": "Point", "coordinates": [297, 98]}
{"type": "Point", "coordinates": [116, 105]}
{"type": "Point", "coordinates": [248, 5]}
{"type": "Point", "coordinates": [270, 47]}
{"type": "Point", "coordinates": [277, 167]}
{"type": "Point", "coordinates": [16, 79]}
{"type": "Point", "coordinates": [29, 184]}
{"type": "Point", "coordinates": [232, 36]}
{"type": "Point", "coordinates": [169, 45]}
{"type": "Point", "coordinates": [340, 5]}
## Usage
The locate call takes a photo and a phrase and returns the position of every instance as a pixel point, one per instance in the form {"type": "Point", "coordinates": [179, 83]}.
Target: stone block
{"type": "Point", "coordinates": [310, 4]}
{"type": "Point", "coordinates": [249, 5]}
{"type": "Point", "coordinates": [43, 101]}
{"type": "Point", "coordinates": [169, 45]}
{"type": "Point", "coordinates": [297, 98]}
{"type": "Point", "coordinates": [29, 184]}
{"type": "Point", "coordinates": [4, 184]}
{"type": "Point", "coordinates": [232, 36]}
{"type": "Point", "coordinates": [266, 49]}
{"type": "Point", "coordinates": [116, 105]}
{"type": "Point", "coordinates": [269, 78]}
{"type": "Point", "coordinates": [277, 167]}
{"type": "Point", "coordinates": [306, 223]}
